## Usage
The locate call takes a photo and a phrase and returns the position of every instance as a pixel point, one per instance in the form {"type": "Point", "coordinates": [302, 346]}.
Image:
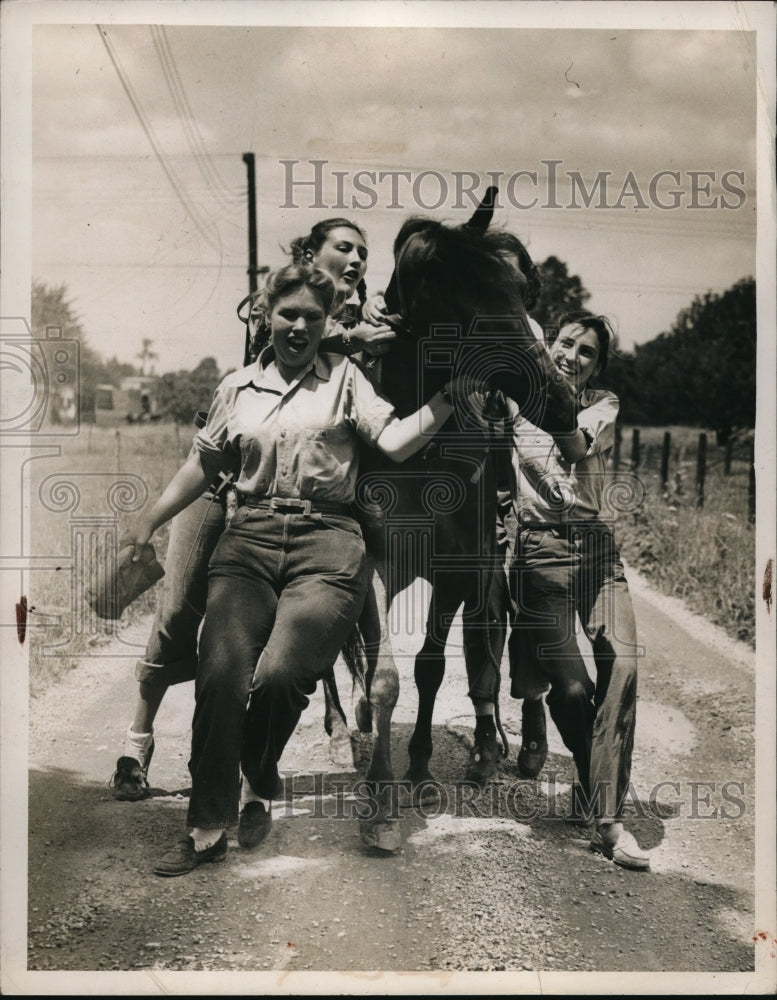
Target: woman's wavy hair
{"type": "Point", "coordinates": [305, 247]}
{"type": "Point", "coordinates": [281, 282]}
{"type": "Point", "coordinates": [600, 325]}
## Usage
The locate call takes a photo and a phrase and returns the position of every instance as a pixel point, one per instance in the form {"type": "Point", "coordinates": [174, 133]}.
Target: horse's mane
{"type": "Point", "coordinates": [451, 274]}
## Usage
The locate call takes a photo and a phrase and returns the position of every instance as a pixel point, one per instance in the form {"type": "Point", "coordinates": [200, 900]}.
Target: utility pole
{"type": "Point", "coordinates": [248, 159]}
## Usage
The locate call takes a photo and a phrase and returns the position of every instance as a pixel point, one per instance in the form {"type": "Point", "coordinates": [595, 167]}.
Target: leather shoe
{"type": "Point", "coordinates": [184, 858]}
{"type": "Point", "coordinates": [130, 779]}
{"type": "Point", "coordinates": [531, 758]}
{"type": "Point", "coordinates": [254, 824]}
{"type": "Point", "coordinates": [534, 743]}
{"type": "Point", "coordinates": [619, 846]}
{"type": "Point", "coordinates": [483, 759]}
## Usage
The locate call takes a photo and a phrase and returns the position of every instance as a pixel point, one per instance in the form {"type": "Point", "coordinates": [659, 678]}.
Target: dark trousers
{"type": "Point", "coordinates": [556, 576]}
{"type": "Point", "coordinates": [285, 591]}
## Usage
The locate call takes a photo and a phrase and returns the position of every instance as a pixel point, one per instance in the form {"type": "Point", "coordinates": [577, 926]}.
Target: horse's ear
{"type": "Point", "coordinates": [484, 213]}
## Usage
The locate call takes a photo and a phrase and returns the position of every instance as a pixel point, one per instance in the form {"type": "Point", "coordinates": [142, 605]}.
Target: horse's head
{"type": "Point", "coordinates": [446, 275]}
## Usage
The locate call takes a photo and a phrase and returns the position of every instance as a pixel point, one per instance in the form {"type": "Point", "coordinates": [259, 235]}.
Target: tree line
{"type": "Point", "coordinates": [699, 373]}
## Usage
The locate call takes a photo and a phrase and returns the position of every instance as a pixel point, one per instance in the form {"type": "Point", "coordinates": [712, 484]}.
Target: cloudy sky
{"type": "Point", "coordinates": [139, 130]}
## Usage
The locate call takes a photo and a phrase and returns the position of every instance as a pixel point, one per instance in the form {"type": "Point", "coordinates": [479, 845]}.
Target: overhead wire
{"type": "Point", "coordinates": [202, 157]}
{"type": "Point", "coordinates": [202, 226]}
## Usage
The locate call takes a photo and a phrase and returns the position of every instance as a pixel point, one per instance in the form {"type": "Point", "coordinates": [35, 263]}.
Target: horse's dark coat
{"type": "Point", "coordinates": [459, 296]}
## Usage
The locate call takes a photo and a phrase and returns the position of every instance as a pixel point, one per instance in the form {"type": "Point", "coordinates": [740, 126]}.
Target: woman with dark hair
{"type": "Point", "coordinates": [566, 565]}
{"type": "Point", "coordinates": [287, 580]}
{"type": "Point", "coordinates": [339, 247]}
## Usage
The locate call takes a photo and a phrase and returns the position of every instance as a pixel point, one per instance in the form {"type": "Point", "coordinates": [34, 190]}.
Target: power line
{"type": "Point", "coordinates": [210, 174]}
{"type": "Point", "coordinates": [148, 130]}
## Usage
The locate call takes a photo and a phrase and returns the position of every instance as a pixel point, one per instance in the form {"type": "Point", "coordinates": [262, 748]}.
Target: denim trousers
{"type": "Point", "coordinates": [556, 577]}
{"type": "Point", "coordinates": [285, 591]}
{"type": "Point", "coordinates": [171, 653]}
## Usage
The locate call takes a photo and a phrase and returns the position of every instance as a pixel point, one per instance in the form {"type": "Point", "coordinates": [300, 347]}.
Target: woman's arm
{"type": "Point", "coordinates": [595, 430]}
{"type": "Point", "coordinates": [374, 340]}
{"type": "Point", "coordinates": [187, 484]}
{"type": "Point", "coordinates": [573, 446]}
{"type": "Point", "coordinates": [402, 438]}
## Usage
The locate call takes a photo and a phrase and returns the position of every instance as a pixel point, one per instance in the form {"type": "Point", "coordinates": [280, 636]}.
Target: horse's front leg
{"type": "Point", "coordinates": [379, 826]}
{"type": "Point", "coordinates": [336, 726]}
{"type": "Point", "coordinates": [429, 672]}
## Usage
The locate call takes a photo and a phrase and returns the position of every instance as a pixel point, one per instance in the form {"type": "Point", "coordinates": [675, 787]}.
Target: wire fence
{"type": "Point", "coordinates": [688, 466]}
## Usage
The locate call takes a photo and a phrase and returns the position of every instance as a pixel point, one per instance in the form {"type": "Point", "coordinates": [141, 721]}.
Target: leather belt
{"type": "Point", "coordinates": [294, 505]}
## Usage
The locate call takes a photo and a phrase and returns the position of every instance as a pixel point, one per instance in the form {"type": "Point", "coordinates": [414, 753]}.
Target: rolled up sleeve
{"type": "Point", "coordinates": [211, 440]}
{"type": "Point", "coordinates": [597, 422]}
{"type": "Point", "coordinates": [369, 412]}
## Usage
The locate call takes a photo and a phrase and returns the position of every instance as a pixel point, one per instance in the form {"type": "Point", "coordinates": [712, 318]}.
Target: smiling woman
{"type": "Point", "coordinates": [287, 580]}
{"type": "Point", "coordinates": [566, 565]}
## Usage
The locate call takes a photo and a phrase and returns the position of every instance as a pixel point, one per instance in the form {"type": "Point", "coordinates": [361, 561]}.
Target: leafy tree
{"type": "Point", "coordinates": [702, 372]}
{"type": "Point", "coordinates": [146, 354]}
{"type": "Point", "coordinates": [51, 308]}
{"type": "Point", "coordinates": [184, 393]}
{"type": "Point", "coordinates": [561, 292]}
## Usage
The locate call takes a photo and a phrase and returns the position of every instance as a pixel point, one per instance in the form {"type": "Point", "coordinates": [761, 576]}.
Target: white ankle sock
{"type": "Point", "coordinates": [137, 745]}
{"type": "Point", "coordinates": [247, 794]}
{"type": "Point", "coordinates": [203, 839]}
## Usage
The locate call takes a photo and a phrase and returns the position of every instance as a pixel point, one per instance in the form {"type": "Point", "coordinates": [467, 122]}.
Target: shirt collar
{"type": "Point", "coordinates": [252, 375]}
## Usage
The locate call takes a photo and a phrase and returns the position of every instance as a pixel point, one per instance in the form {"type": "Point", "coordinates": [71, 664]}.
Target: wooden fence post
{"type": "Point", "coordinates": [701, 469]}
{"type": "Point", "coordinates": [665, 459]}
{"type": "Point", "coordinates": [727, 457]}
{"type": "Point", "coordinates": [635, 448]}
{"type": "Point", "coordinates": [616, 451]}
{"type": "Point", "coordinates": [118, 450]}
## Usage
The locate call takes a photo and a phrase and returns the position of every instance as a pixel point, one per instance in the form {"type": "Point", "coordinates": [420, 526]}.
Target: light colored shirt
{"type": "Point", "coordinates": [294, 440]}
{"type": "Point", "coordinates": [545, 487]}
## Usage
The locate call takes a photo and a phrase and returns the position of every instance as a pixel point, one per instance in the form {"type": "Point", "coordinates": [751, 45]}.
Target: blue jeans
{"type": "Point", "coordinates": [557, 575]}
{"type": "Point", "coordinates": [285, 590]}
{"type": "Point", "coordinates": [171, 653]}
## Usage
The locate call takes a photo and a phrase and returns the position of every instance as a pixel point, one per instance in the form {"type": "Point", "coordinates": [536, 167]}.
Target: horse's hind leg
{"type": "Point", "coordinates": [371, 628]}
{"type": "Point", "coordinates": [380, 826]}
{"type": "Point", "coordinates": [340, 748]}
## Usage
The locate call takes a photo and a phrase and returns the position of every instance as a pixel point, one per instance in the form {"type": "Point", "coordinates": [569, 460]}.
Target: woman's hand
{"type": "Point", "coordinates": [374, 309]}
{"type": "Point", "coordinates": [373, 339]}
{"type": "Point", "coordinates": [138, 538]}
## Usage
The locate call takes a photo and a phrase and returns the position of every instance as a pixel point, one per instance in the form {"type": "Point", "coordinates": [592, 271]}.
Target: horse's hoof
{"type": "Point", "coordinates": [483, 759]}
{"type": "Point", "coordinates": [341, 751]}
{"type": "Point", "coordinates": [383, 835]}
{"type": "Point", "coordinates": [424, 789]}
{"type": "Point", "coordinates": [363, 716]}
{"type": "Point", "coordinates": [424, 793]}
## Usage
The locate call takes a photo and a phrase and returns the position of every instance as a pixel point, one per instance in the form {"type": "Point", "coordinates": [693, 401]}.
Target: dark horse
{"type": "Point", "coordinates": [458, 296]}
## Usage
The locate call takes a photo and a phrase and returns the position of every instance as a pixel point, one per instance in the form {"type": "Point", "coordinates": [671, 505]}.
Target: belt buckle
{"type": "Point", "coordinates": [290, 503]}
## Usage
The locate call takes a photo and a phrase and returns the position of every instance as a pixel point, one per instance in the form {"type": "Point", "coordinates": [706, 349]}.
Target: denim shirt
{"type": "Point", "coordinates": [298, 439]}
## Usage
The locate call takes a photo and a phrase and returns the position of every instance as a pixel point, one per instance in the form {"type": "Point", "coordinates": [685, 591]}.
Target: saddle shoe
{"type": "Point", "coordinates": [184, 858]}
{"type": "Point", "coordinates": [482, 759]}
{"type": "Point", "coordinates": [254, 824]}
{"type": "Point", "coordinates": [619, 845]}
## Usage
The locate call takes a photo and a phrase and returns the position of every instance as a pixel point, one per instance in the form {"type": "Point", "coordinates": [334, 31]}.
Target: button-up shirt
{"type": "Point", "coordinates": [545, 487]}
{"type": "Point", "coordinates": [295, 439]}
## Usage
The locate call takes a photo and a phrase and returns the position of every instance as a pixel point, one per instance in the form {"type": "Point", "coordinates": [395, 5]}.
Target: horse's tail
{"type": "Point", "coordinates": [355, 657]}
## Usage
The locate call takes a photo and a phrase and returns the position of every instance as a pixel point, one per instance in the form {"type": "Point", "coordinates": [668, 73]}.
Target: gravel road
{"type": "Point", "coordinates": [496, 885]}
